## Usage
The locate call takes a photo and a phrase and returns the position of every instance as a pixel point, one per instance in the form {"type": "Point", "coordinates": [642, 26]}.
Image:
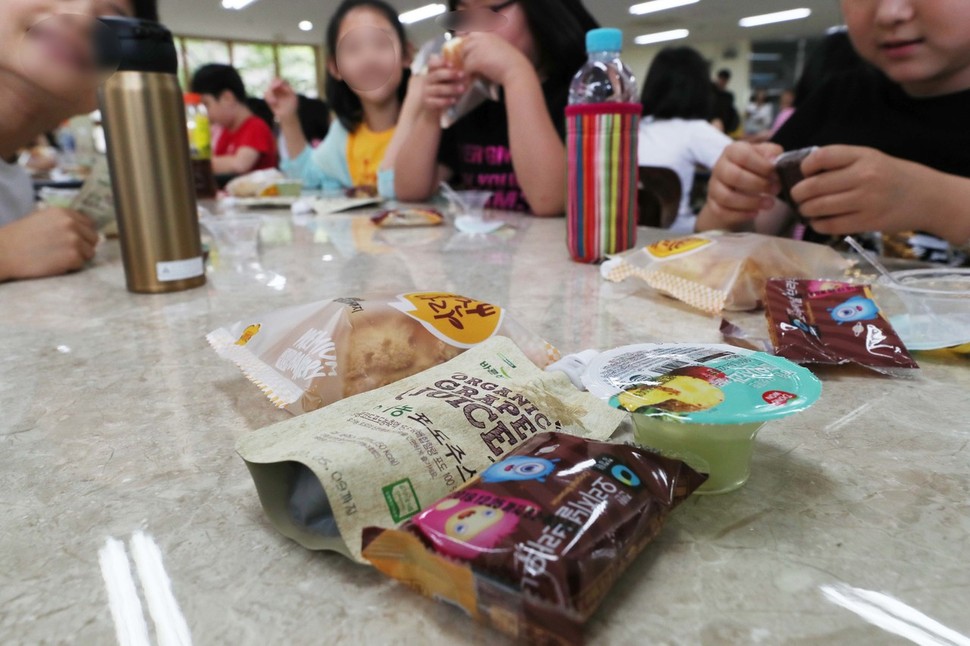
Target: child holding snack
{"type": "Point", "coordinates": [39, 89]}
{"type": "Point", "coordinates": [367, 102]}
{"type": "Point", "coordinates": [513, 147]}
{"type": "Point", "coordinates": [894, 145]}
{"type": "Point", "coordinates": [246, 142]}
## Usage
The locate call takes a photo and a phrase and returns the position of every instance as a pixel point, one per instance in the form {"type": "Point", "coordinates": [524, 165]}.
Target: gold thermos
{"type": "Point", "coordinates": [148, 154]}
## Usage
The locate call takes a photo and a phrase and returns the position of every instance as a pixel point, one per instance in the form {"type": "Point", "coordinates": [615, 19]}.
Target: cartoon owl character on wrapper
{"type": "Point", "coordinates": [466, 529]}
{"type": "Point", "coordinates": [857, 308]}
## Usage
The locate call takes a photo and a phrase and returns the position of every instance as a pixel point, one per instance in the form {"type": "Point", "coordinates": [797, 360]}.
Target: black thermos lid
{"type": "Point", "coordinates": [135, 45]}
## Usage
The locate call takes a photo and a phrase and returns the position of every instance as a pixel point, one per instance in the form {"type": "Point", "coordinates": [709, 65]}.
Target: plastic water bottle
{"type": "Point", "coordinates": [200, 145]}
{"type": "Point", "coordinates": [604, 78]}
{"type": "Point", "coordinates": [602, 122]}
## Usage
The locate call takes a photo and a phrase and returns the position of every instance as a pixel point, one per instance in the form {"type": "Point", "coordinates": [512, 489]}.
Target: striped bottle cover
{"type": "Point", "coordinates": [602, 208]}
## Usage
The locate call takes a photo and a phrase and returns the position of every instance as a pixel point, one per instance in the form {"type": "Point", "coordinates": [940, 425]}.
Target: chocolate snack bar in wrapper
{"type": "Point", "coordinates": [308, 356]}
{"type": "Point", "coordinates": [788, 165]}
{"type": "Point", "coordinates": [380, 457]}
{"type": "Point", "coordinates": [715, 271]}
{"type": "Point", "coordinates": [533, 543]}
{"type": "Point", "coordinates": [821, 321]}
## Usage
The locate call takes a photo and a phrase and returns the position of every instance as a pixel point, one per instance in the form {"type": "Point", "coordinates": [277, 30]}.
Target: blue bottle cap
{"type": "Point", "coordinates": [605, 39]}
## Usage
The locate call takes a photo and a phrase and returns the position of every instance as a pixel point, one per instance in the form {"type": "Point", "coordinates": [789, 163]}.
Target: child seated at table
{"type": "Point", "coordinates": [514, 147]}
{"type": "Point", "coordinates": [354, 152]}
{"type": "Point", "coordinates": [894, 144]}
{"type": "Point", "coordinates": [50, 241]}
{"type": "Point", "coordinates": [675, 133]}
{"type": "Point", "coordinates": [246, 142]}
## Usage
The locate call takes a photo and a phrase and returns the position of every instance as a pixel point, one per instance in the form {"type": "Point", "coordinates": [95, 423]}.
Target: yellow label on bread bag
{"type": "Point", "coordinates": [248, 333]}
{"type": "Point", "coordinates": [457, 320]}
{"type": "Point", "coordinates": [676, 247]}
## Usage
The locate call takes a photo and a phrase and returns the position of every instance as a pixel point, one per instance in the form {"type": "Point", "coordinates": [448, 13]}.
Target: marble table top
{"type": "Point", "coordinates": [118, 426]}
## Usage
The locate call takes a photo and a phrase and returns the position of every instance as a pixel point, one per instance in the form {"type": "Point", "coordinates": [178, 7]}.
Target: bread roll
{"type": "Point", "coordinates": [451, 52]}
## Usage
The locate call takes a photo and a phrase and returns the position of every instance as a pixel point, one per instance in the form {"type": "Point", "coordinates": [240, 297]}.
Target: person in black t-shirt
{"type": "Point", "coordinates": [894, 140]}
{"type": "Point", "coordinates": [514, 147]}
{"type": "Point", "coordinates": [724, 110]}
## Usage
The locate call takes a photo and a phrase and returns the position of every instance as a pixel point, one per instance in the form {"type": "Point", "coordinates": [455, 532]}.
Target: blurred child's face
{"type": "Point", "coordinates": [221, 109]}
{"type": "Point", "coordinates": [514, 29]}
{"type": "Point", "coordinates": [370, 58]}
{"type": "Point", "coordinates": [49, 45]}
{"type": "Point", "coordinates": [924, 45]}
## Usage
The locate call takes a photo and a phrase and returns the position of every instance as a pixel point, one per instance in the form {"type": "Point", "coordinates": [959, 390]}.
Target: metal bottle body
{"type": "Point", "coordinates": [151, 175]}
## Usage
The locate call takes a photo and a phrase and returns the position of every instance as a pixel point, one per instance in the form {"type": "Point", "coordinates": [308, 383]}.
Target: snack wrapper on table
{"type": "Point", "coordinates": [817, 321]}
{"type": "Point", "coordinates": [268, 182]}
{"type": "Point", "coordinates": [408, 217]}
{"type": "Point", "coordinates": [533, 544]}
{"type": "Point", "coordinates": [380, 457]}
{"type": "Point", "coordinates": [311, 355]}
{"type": "Point", "coordinates": [715, 271]}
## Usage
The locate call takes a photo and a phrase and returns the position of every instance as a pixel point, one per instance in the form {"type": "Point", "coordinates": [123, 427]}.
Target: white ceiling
{"type": "Point", "coordinates": [709, 21]}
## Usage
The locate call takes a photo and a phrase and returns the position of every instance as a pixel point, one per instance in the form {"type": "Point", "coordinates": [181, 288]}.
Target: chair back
{"type": "Point", "coordinates": [659, 194]}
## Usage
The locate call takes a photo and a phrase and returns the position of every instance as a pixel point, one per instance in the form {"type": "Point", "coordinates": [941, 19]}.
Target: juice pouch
{"type": "Point", "coordinates": [715, 271]}
{"type": "Point", "coordinates": [533, 544]}
{"type": "Point", "coordinates": [308, 356]}
{"type": "Point", "coordinates": [380, 457]}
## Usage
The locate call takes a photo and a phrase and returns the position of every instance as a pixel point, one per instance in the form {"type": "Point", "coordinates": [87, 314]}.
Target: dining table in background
{"type": "Point", "coordinates": [118, 425]}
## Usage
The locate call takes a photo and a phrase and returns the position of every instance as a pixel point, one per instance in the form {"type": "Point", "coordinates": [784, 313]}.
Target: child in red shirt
{"type": "Point", "coordinates": [246, 142]}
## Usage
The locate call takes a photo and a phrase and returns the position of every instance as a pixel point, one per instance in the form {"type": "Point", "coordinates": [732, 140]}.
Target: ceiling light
{"type": "Point", "coordinates": [236, 4]}
{"type": "Point", "coordinates": [661, 36]}
{"type": "Point", "coordinates": [422, 13]}
{"type": "Point", "coordinates": [780, 16]}
{"type": "Point", "coordinates": [305, 25]}
{"type": "Point", "coordinates": [658, 5]}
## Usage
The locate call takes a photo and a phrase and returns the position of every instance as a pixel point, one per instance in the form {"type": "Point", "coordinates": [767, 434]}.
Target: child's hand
{"type": "Point", "coordinates": [443, 85]}
{"type": "Point", "coordinates": [281, 99]}
{"type": "Point", "coordinates": [493, 57]}
{"type": "Point", "coordinates": [850, 189]}
{"type": "Point", "coordinates": [47, 242]}
{"type": "Point", "coordinates": [742, 183]}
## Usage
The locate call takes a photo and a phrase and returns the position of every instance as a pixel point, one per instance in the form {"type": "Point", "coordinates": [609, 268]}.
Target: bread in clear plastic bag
{"type": "Point", "coordinates": [308, 356]}
{"type": "Point", "coordinates": [715, 271]}
{"type": "Point", "coordinates": [479, 90]}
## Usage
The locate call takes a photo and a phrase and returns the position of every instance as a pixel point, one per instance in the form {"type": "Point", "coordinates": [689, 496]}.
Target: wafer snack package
{"type": "Point", "coordinates": [534, 543]}
{"type": "Point", "coordinates": [816, 321]}
{"type": "Point", "coordinates": [378, 458]}
{"type": "Point", "coordinates": [715, 271]}
{"type": "Point", "coordinates": [308, 356]}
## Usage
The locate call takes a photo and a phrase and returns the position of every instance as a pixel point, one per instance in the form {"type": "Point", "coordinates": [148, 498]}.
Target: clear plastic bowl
{"type": "Point", "coordinates": [929, 308]}
{"type": "Point", "coordinates": [474, 202]}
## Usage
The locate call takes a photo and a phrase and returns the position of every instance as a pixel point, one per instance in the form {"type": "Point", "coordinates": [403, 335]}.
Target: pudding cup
{"type": "Point", "coordinates": [722, 451]}
{"type": "Point", "coordinates": [701, 403]}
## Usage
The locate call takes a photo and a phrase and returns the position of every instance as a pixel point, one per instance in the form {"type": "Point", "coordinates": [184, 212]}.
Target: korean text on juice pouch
{"type": "Point", "coordinates": [533, 544]}
{"type": "Point", "coordinates": [380, 457]}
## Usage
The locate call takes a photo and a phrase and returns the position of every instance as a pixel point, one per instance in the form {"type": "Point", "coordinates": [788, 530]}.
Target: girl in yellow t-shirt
{"type": "Point", "coordinates": [367, 76]}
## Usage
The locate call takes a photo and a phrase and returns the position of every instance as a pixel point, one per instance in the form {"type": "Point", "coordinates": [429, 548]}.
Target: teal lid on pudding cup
{"type": "Point", "coordinates": [701, 403]}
